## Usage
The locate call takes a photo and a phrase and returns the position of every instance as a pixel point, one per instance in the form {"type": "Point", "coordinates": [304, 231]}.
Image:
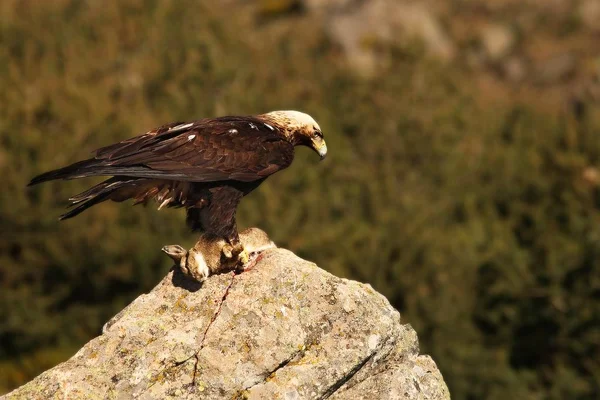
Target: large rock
{"type": "Point", "coordinates": [282, 330]}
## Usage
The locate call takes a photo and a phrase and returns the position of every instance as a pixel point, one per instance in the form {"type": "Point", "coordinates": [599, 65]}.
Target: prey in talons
{"type": "Point", "coordinates": [212, 255]}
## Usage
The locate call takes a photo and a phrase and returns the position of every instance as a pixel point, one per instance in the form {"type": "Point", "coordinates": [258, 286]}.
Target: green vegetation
{"type": "Point", "coordinates": [481, 223]}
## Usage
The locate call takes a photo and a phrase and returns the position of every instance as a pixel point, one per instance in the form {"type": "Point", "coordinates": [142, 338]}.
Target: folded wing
{"type": "Point", "coordinates": [226, 148]}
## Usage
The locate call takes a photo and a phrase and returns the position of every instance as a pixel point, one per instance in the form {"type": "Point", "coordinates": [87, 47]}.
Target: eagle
{"type": "Point", "coordinates": [206, 166]}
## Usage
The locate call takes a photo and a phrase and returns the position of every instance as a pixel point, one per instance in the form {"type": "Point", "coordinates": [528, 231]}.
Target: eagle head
{"type": "Point", "coordinates": [299, 128]}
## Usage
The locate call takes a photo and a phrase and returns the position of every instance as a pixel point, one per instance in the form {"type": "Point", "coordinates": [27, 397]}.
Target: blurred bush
{"type": "Point", "coordinates": [479, 220]}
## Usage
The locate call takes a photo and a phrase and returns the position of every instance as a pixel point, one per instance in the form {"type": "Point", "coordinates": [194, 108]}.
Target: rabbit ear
{"type": "Point", "coordinates": [175, 251]}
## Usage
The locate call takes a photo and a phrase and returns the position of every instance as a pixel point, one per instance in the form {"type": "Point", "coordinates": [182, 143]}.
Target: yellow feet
{"type": "Point", "coordinates": [243, 257]}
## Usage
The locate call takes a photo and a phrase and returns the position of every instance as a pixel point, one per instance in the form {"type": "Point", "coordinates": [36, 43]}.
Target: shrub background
{"type": "Point", "coordinates": [478, 216]}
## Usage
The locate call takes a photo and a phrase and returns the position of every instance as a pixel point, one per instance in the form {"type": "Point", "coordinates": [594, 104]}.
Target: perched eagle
{"type": "Point", "coordinates": [206, 166]}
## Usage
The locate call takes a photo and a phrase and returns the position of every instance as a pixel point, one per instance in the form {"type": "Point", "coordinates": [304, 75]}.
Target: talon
{"type": "Point", "coordinates": [236, 247]}
{"type": "Point", "coordinates": [227, 251]}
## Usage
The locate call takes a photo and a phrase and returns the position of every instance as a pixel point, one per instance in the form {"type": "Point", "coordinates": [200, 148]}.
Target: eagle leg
{"type": "Point", "coordinates": [217, 217]}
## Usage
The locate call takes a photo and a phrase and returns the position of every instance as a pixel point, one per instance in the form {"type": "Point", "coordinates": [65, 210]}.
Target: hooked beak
{"type": "Point", "coordinates": [319, 145]}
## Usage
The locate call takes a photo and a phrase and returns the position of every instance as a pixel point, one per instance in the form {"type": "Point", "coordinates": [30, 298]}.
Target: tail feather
{"type": "Point", "coordinates": [121, 188]}
{"type": "Point", "coordinates": [84, 206]}
{"type": "Point", "coordinates": [94, 195]}
{"type": "Point", "coordinates": [114, 183]}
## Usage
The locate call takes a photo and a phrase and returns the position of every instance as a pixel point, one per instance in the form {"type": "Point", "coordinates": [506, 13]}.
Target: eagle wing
{"type": "Point", "coordinates": [225, 148]}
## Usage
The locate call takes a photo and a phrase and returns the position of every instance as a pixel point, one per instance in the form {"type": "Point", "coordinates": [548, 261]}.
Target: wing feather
{"type": "Point", "coordinates": [224, 148]}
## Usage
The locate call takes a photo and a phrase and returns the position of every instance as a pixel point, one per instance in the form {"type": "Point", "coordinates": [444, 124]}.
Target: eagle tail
{"type": "Point", "coordinates": [84, 206]}
{"type": "Point", "coordinates": [94, 195]}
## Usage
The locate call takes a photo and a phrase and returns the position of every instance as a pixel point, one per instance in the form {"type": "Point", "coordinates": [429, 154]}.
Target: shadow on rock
{"type": "Point", "coordinates": [179, 279]}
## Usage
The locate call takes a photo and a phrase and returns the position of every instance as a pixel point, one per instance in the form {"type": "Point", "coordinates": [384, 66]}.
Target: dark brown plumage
{"type": "Point", "coordinates": [206, 166]}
